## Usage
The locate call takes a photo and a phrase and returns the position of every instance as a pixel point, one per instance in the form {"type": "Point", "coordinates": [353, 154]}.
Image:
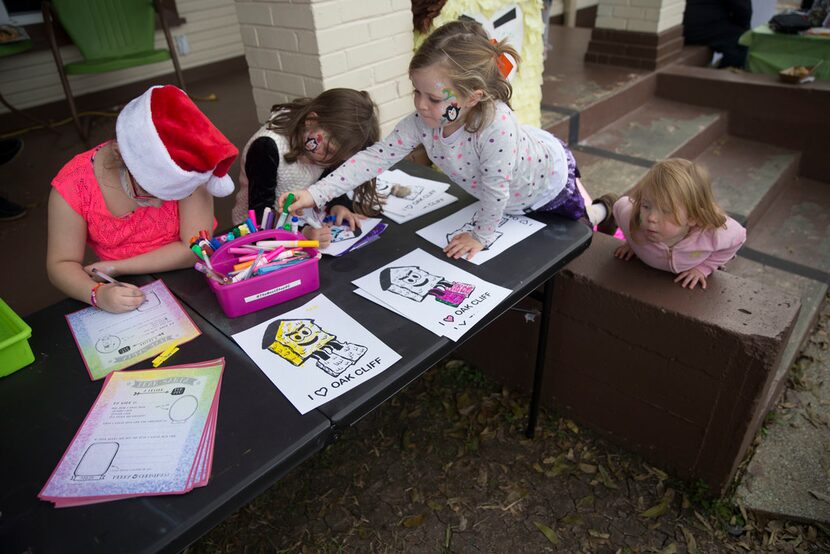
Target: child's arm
{"type": "Point", "coordinates": [727, 242]}
{"type": "Point", "coordinates": [64, 261]}
{"type": "Point", "coordinates": [195, 213]}
{"type": "Point", "coordinates": [361, 167]}
{"type": "Point", "coordinates": [262, 162]}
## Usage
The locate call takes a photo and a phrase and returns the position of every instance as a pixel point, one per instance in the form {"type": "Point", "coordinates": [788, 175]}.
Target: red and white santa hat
{"type": "Point", "coordinates": [171, 148]}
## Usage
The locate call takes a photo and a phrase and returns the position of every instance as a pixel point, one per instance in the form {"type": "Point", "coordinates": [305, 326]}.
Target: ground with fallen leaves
{"type": "Point", "coordinates": [445, 467]}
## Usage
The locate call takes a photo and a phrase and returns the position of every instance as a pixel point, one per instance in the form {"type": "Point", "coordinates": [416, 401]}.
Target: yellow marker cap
{"type": "Point", "coordinates": [161, 358]}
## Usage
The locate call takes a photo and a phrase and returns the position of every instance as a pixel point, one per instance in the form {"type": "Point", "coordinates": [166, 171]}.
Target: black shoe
{"type": "Point", "coordinates": [607, 226]}
{"type": "Point", "coordinates": [9, 211]}
{"type": "Point", "coordinates": [9, 149]}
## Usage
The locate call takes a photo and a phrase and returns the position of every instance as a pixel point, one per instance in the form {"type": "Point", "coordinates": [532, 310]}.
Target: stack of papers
{"type": "Point", "coordinates": [512, 229]}
{"type": "Point", "coordinates": [109, 342]}
{"type": "Point", "coordinates": [424, 195]}
{"type": "Point", "coordinates": [149, 432]}
{"type": "Point", "coordinates": [433, 293]}
{"type": "Point", "coordinates": [344, 240]}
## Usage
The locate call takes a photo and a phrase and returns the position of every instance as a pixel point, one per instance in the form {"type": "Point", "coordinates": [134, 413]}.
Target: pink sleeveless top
{"type": "Point", "coordinates": [114, 238]}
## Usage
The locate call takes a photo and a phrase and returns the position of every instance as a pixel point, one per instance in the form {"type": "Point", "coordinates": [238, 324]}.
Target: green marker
{"type": "Point", "coordinates": [284, 215]}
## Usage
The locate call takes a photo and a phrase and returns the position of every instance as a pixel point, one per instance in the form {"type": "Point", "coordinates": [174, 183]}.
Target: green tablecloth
{"type": "Point", "coordinates": [771, 52]}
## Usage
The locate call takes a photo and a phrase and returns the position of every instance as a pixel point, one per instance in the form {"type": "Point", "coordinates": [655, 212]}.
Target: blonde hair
{"type": "Point", "coordinates": [674, 184]}
{"type": "Point", "coordinates": [463, 49]}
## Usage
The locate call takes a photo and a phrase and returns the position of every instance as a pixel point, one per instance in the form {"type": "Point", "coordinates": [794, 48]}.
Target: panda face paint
{"type": "Point", "coordinates": [318, 146]}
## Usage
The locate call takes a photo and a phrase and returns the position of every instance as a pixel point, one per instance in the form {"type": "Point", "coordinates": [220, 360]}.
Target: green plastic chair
{"type": "Point", "coordinates": [111, 35]}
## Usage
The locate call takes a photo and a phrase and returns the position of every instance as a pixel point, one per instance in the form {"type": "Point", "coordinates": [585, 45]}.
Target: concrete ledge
{"type": "Point", "coordinates": [679, 376]}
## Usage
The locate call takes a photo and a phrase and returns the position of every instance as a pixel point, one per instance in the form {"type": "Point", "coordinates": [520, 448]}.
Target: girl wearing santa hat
{"type": "Point", "coordinates": [137, 200]}
{"type": "Point", "coordinates": [302, 141]}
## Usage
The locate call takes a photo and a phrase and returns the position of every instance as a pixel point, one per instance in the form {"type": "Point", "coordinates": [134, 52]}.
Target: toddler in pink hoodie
{"type": "Point", "coordinates": [671, 222]}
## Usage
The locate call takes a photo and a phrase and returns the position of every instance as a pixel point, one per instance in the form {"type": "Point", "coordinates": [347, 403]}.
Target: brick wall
{"type": "Point", "coordinates": [303, 47]}
{"type": "Point", "coordinates": [642, 16]}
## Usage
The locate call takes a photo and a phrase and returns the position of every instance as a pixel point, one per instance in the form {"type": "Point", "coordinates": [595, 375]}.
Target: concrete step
{"type": "Point", "coordinates": [597, 93]}
{"type": "Point", "coordinates": [787, 478]}
{"type": "Point", "coordinates": [794, 233]}
{"type": "Point", "coordinates": [790, 246]}
{"type": "Point", "coordinates": [660, 129]}
{"type": "Point", "coordinates": [747, 175]}
{"type": "Point", "coordinates": [812, 295]}
{"type": "Point", "coordinates": [615, 158]}
{"type": "Point", "coordinates": [601, 174]}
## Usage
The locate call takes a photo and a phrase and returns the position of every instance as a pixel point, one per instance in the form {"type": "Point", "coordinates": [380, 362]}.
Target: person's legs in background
{"type": "Point", "coordinates": [9, 149]}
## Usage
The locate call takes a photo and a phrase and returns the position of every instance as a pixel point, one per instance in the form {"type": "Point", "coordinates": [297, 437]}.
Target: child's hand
{"type": "Point", "coordinates": [691, 278]}
{"type": "Point", "coordinates": [118, 298]}
{"type": "Point", "coordinates": [624, 252]}
{"type": "Point", "coordinates": [302, 199]}
{"type": "Point", "coordinates": [342, 213]}
{"type": "Point", "coordinates": [323, 234]}
{"type": "Point", "coordinates": [463, 245]}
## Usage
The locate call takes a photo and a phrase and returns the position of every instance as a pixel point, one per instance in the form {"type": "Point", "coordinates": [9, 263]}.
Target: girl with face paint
{"type": "Point", "coordinates": [464, 120]}
{"type": "Point", "coordinates": [302, 141]}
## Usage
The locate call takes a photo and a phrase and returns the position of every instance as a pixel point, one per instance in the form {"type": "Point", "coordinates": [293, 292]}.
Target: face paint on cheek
{"type": "Point", "coordinates": [451, 113]}
{"type": "Point", "coordinates": [313, 141]}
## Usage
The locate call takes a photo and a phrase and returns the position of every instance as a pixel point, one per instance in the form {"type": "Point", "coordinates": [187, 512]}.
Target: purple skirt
{"type": "Point", "coordinates": [569, 202]}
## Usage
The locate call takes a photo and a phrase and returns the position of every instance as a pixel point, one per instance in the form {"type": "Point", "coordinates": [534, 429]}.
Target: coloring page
{"type": "Point", "coordinates": [433, 293]}
{"type": "Point", "coordinates": [367, 296]}
{"type": "Point", "coordinates": [145, 434]}
{"type": "Point", "coordinates": [512, 230]}
{"type": "Point", "coordinates": [343, 238]}
{"type": "Point", "coordinates": [315, 353]}
{"type": "Point", "coordinates": [406, 197]}
{"type": "Point", "coordinates": [109, 342]}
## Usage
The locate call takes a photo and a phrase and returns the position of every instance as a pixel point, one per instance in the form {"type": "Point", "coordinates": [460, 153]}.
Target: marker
{"type": "Point", "coordinates": [284, 215]}
{"type": "Point", "coordinates": [161, 358]}
{"type": "Point", "coordinates": [265, 214]}
{"type": "Point", "coordinates": [252, 218]}
{"type": "Point", "coordinates": [105, 277]}
{"type": "Point", "coordinates": [313, 219]}
{"type": "Point", "coordinates": [290, 243]}
{"type": "Point", "coordinates": [211, 273]}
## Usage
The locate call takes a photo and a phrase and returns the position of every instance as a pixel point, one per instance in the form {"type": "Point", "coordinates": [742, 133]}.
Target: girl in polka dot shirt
{"type": "Point", "coordinates": [463, 119]}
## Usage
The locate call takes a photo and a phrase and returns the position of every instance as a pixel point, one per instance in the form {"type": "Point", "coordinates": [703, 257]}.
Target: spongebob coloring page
{"type": "Point", "coordinates": [512, 230]}
{"type": "Point", "coordinates": [315, 353]}
{"type": "Point", "coordinates": [433, 293]}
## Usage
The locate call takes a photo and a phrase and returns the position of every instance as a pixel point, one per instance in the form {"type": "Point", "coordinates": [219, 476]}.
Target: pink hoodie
{"type": "Point", "coordinates": [706, 250]}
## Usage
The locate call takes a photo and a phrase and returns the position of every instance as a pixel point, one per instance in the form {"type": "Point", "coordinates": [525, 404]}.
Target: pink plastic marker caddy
{"type": "Point", "coordinates": [263, 291]}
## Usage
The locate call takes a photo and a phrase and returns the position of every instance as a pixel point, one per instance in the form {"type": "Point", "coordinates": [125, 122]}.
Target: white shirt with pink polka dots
{"type": "Point", "coordinates": [506, 165]}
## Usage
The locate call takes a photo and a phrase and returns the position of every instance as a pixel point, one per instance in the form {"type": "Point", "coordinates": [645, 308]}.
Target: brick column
{"type": "Point", "coordinates": [646, 34]}
{"type": "Point", "coordinates": [301, 48]}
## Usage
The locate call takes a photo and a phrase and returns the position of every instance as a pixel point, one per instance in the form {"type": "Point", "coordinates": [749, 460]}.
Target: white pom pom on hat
{"type": "Point", "coordinates": [171, 147]}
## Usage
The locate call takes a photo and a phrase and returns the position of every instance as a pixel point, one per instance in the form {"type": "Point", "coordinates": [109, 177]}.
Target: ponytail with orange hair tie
{"type": "Point", "coordinates": [504, 61]}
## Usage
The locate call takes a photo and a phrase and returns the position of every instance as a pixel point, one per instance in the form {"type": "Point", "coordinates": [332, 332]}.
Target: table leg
{"type": "Point", "coordinates": [541, 349]}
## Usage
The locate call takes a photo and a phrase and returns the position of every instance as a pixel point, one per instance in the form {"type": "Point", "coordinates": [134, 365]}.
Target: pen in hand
{"type": "Point", "coordinates": [105, 277]}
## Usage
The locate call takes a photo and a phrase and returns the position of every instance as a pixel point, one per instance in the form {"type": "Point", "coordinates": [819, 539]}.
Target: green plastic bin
{"type": "Point", "coordinates": [15, 351]}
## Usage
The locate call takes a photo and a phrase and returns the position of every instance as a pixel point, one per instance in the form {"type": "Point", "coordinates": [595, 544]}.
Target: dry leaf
{"type": "Point", "coordinates": [657, 510]}
{"type": "Point", "coordinates": [413, 521]}
{"type": "Point", "coordinates": [549, 533]}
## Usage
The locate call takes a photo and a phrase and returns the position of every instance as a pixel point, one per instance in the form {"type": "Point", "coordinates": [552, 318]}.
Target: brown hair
{"type": "Point", "coordinates": [464, 51]}
{"type": "Point", "coordinates": [348, 116]}
{"type": "Point", "coordinates": [677, 183]}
